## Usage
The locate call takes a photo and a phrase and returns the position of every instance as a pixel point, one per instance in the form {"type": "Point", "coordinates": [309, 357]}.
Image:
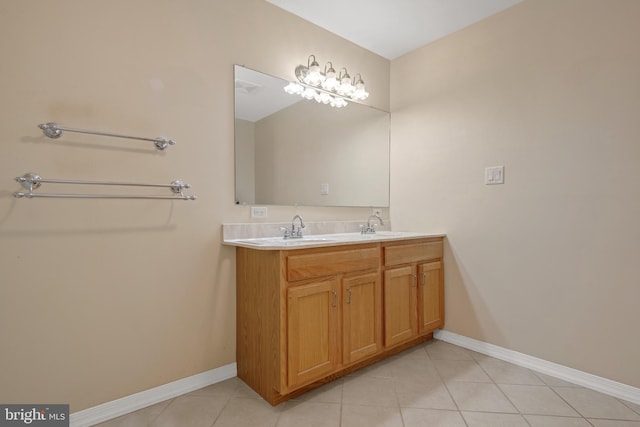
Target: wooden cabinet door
{"type": "Point", "coordinates": [400, 305]}
{"type": "Point", "coordinates": [362, 317]}
{"type": "Point", "coordinates": [430, 297]}
{"type": "Point", "coordinates": [313, 322]}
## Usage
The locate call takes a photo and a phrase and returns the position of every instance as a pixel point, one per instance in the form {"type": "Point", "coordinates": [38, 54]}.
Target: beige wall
{"type": "Point", "coordinates": [546, 264]}
{"type": "Point", "coordinates": [100, 299]}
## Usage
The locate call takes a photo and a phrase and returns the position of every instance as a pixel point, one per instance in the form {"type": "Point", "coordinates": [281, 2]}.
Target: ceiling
{"type": "Point", "coordinates": [392, 28]}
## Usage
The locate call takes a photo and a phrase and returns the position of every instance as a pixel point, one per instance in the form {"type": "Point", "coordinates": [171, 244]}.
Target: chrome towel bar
{"type": "Point", "coordinates": [19, 195]}
{"type": "Point", "coordinates": [32, 181]}
{"type": "Point", "coordinates": [54, 130]}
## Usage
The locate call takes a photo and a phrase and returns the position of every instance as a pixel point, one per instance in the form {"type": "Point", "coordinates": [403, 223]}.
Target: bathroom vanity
{"type": "Point", "coordinates": [314, 309]}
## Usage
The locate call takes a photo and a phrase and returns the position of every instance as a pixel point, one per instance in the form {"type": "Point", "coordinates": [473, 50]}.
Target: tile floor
{"type": "Point", "coordinates": [435, 384]}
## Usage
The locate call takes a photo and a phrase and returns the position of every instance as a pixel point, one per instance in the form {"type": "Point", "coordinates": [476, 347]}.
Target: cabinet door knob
{"type": "Point", "coordinates": [349, 299]}
{"type": "Point", "coordinates": [335, 299]}
{"type": "Point", "coordinates": [424, 278]}
{"type": "Point", "coordinates": [415, 280]}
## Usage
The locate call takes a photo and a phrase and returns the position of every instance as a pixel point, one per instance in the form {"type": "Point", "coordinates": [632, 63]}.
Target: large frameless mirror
{"type": "Point", "coordinates": [293, 151]}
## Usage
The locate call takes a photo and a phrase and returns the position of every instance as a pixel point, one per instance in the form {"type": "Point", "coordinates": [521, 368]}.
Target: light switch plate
{"type": "Point", "coordinates": [494, 175]}
{"type": "Point", "coordinates": [258, 212]}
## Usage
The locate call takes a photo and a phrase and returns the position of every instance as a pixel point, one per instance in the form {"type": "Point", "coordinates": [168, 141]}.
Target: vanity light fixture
{"type": "Point", "coordinates": [326, 87]}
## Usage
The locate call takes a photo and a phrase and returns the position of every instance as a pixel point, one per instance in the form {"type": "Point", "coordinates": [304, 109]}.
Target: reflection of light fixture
{"type": "Point", "coordinates": [326, 87]}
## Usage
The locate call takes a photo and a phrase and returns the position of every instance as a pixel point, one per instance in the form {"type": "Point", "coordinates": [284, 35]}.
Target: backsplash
{"type": "Point", "coordinates": [256, 230]}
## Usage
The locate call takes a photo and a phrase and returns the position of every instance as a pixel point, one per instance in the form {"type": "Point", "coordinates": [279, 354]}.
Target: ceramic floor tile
{"type": "Point", "coordinates": [142, 417]}
{"type": "Point", "coordinates": [245, 391]}
{"type": "Point", "coordinates": [537, 400]}
{"type": "Point", "coordinates": [635, 407]}
{"type": "Point", "coordinates": [480, 397]}
{"type": "Point", "coordinates": [554, 382]}
{"type": "Point", "coordinates": [381, 369]}
{"type": "Point", "coordinates": [310, 414]}
{"type": "Point", "coordinates": [243, 412]}
{"type": "Point", "coordinates": [479, 356]}
{"type": "Point", "coordinates": [440, 350]}
{"type": "Point", "coordinates": [370, 416]}
{"type": "Point", "coordinates": [547, 421]}
{"type": "Point", "coordinates": [507, 373]}
{"type": "Point", "coordinates": [461, 370]}
{"type": "Point", "coordinates": [614, 423]}
{"type": "Point", "coordinates": [591, 404]}
{"type": "Point", "coordinates": [328, 393]}
{"type": "Point", "coordinates": [369, 391]}
{"type": "Point", "coordinates": [413, 368]}
{"type": "Point", "coordinates": [484, 419]}
{"type": "Point", "coordinates": [414, 417]}
{"type": "Point", "coordinates": [431, 394]}
{"type": "Point", "coordinates": [191, 411]}
{"type": "Point", "coordinates": [417, 352]}
{"type": "Point", "coordinates": [232, 387]}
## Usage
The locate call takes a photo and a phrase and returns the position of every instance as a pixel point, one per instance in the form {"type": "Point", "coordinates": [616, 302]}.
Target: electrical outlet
{"type": "Point", "coordinates": [258, 212]}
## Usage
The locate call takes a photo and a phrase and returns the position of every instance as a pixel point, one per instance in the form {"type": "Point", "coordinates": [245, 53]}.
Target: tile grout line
{"type": "Point", "coordinates": [625, 403]}
{"type": "Point", "coordinates": [150, 423]}
{"type": "Point", "coordinates": [341, 402]}
{"type": "Point", "coordinates": [501, 391]}
{"type": "Point", "coordinates": [596, 418]}
{"type": "Point", "coordinates": [215, 420]}
{"type": "Point", "coordinates": [464, 420]}
{"type": "Point", "coordinates": [395, 392]}
{"type": "Point", "coordinates": [564, 400]}
{"type": "Point", "coordinates": [545, 385]}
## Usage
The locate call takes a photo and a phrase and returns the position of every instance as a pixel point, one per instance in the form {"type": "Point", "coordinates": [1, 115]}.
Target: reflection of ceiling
{"type": "Point", "coordinates": [392, 28]}
{"type": "Point", "coordinates": [259, 95]}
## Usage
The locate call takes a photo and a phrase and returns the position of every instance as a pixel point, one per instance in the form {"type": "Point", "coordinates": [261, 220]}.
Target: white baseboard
{"type": "Point", "coordinates": [116, 408]}
{"type": "Point", "coordinates": [593, 382]}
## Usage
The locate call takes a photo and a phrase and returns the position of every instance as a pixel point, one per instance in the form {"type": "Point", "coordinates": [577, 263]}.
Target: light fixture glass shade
{"type": "Point", "coordinates": [324, 97]}
{"type": "Point", "coordinates": [330, 82]}
{"type": "Point", "coordinates": [360, 93]}
{"type": "Point", "coordinates": [309, 93]}
{"type": "Point", "coordinates": [339, 102]}
{"type": "Point", "coordinates": [314, 76]}
{"type": "Point", "coordinates": [346, 88]}
{"type": "Point", "coordinates": [294, 88]}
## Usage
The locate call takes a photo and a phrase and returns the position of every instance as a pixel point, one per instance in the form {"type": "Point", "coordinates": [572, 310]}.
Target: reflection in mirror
{"type": "Point", "coordinates": [292, 151]}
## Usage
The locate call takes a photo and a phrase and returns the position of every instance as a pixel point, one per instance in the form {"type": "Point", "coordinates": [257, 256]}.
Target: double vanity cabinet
{"type": "Point", "coordinates": [309, 314]}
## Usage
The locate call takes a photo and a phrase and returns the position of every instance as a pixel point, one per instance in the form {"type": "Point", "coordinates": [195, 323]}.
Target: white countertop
{"type": "Point", "coordinates": [319, 240]}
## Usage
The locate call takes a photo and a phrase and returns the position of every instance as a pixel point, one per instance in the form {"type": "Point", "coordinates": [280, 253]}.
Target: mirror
{"type": "Point", "coordinates": [293, 151]}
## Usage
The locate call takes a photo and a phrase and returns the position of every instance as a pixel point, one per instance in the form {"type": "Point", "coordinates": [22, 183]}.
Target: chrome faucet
{"type": "Point", "coordinates": [371, 228]}
{"type": "Point", "coordinates": [294, 233]}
